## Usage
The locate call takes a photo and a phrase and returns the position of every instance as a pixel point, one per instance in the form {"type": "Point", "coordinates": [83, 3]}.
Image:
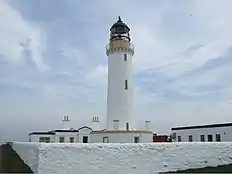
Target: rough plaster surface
{"type": "Point", "coordinates": [122, 158]}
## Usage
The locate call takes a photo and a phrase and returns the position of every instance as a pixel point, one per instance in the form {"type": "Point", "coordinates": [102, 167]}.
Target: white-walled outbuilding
{"type": "Point", "coordinates": [62, 135]}
{"type": "Point", "coordinates": [87, 135]}
{"type": "Point", "coordinates": [203, 133]}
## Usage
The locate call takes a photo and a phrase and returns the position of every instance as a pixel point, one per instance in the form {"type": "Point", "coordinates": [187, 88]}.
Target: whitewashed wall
{"type": "Point", "coordinates": [225, 132]}
{"type": "Point", "coordinates": [29, 153]}
{"type": "Point", "coordinates": [84, 132]}
{"type": "Point", "coordinates": [35, 137]}
{"type": "Point", "coordinates": [122, 138]}
{"type": "Point", "coordinates": [119, 100]}
{"type": "Point", "coordinates": [95, 138]}
{"type": "Point", "coordinates": [146, 158]}
{"type": "Point", "coordinates": [66, 136]}
{"type": "Point", "coordinates": [56, 137]}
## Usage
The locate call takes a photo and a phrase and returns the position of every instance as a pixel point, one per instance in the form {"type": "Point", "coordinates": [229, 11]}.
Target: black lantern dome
{"type": "Point", "coordinates": [119, 31]}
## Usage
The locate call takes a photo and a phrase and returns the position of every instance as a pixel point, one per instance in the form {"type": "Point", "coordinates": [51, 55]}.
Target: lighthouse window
{"type": "Point", "coordinates": [126, 85]}
{"type": "Point", "coordinates": [125, 57]}
{"type": "Point", "coordinates": [127, 126]}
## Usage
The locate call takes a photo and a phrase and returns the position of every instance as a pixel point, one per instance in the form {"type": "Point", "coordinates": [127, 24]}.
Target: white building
{"type": "Point", "coordinates": [203, 133]}
{"type": "Point", "coordinates": [120, 108]}
{"type": "Point", "coordinates": [86, 134]}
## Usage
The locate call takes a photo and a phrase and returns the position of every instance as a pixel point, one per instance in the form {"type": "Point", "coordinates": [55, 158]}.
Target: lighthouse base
{"type": "Point", "coordinates": [122, 136]}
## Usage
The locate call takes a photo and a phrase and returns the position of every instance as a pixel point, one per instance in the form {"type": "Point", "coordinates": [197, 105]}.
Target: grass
{"type": "Point", "coordinates": [218, 169]}
{"type": "Point", "coordinates": [10, 162]}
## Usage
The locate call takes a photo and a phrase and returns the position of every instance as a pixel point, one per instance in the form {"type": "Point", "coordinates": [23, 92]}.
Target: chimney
{"type": "Point", "coordinates": [148, 125]}
{"type": "Point", "coordinates": [65, 123]}
{"type": "Point", "coordinates": [96, 123]}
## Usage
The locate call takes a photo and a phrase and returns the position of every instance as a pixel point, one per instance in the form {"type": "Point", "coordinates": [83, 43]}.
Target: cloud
{"type": "Point", "coordinates": [15, 83]}
{"type": "Point", "coordinates": [74, 55]}
{"type": "Point", "coordinates": [18, 37]}
{"type": "Point", "coordinates": [182, 62]}
{"type": "Point", "coordinates": [98, 76]}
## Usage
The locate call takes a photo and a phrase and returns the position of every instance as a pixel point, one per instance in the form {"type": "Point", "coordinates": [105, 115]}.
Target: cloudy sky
{"type": "Point", "coordinates": [53, 62]}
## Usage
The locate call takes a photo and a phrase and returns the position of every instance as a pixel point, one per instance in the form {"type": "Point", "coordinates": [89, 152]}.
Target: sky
{"type": "Point", "coordinates": [53, 62]}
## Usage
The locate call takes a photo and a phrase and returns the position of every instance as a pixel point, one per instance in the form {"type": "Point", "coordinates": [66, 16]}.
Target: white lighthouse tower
{"type": "Point", "coordinates": [120, 110]}
{"type": "Point", "coordinates": [120, 81]}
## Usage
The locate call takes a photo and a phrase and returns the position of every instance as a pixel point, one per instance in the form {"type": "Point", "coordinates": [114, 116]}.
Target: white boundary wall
{"type": "Point", "coordinates": [122, 158]}
{"type": "Point", "coordinates": [29, 153]}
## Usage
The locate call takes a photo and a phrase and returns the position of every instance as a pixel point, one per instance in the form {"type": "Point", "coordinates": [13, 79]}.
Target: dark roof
{"type": "Point", "coordinates": [203, 126]}
{"type": "Point", "coordinates": [120, 24]}
{"type": "Point", "coordinates": [42, 133]}
{"type": "Point", "coordinates": [84, 127]}
{"type": "Point", "coordinates": [64, 130]}
{"type": "Point", "coordinates": [53, 132]}
{"type": "Point", "coordinates": [58, 130]}
{"type": "Point", "coordinates": [160, 135]}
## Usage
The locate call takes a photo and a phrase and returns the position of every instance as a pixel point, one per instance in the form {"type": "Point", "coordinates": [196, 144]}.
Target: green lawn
{"type": "Point", "coordinates": [10, 161]}
{"type": "Point", "coordinates": [219, 169]}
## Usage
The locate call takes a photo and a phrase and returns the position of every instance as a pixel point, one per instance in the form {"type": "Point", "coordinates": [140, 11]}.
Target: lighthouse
{"type": "Point", "coordinates": [120, 112]}
{"type": "Point", "coordinates": [120, 53]}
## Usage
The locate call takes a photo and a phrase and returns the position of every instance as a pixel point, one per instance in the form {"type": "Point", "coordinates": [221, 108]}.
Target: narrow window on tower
{"type": "Point", "coordinates": [127, 126]}
{"type": "Point", "coordinates": [125, 57]}
{"type": "Point", "coordinates": [126, 85]}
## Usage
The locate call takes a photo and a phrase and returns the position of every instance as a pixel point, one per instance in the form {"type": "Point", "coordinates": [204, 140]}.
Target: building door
{"type": "Point", "coordinates": [85, 139]}
{"type": "Point", "coordinates": [136, 139]}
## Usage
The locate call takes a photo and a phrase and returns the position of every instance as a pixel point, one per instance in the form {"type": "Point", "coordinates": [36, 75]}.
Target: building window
{"type": "Point", "coordinates": [71, 139]}
{"type": "Point", "coordinates": [202, 138]}
{"type": "Point", "coordinates": [61, 139]}
{"type": "Point", "coordinates": [179, 138]}
{"type": "Point", "coordinates": [85, 139]}
{"type": "Point", "coordinates": [41, 139]}
{"type": "Point", "coordinates": [210, 137]}
{"type": "Point", "coordinates": [105, 139]}
{"type": "Point", "coordinates": [125, 57]}
{"type": "Point", "coordinates": [127, 126]}
{"type": "Point", "coordinates": [116, 124]}
{"type": "Point", "coordinates": [44, 139]}
{"type": "Point", "coordinates": [218, 137]}
{"type": "Point", "coordinates": [190, 138]}
{"type": "Point", "coordinates": [136, 139]}
{"type": "Point", "coordinates": [126, 85]}
{"type": "Point", "coordinates": [47, 139]}
{"type": "Point", "coordinates": [173, 136]}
